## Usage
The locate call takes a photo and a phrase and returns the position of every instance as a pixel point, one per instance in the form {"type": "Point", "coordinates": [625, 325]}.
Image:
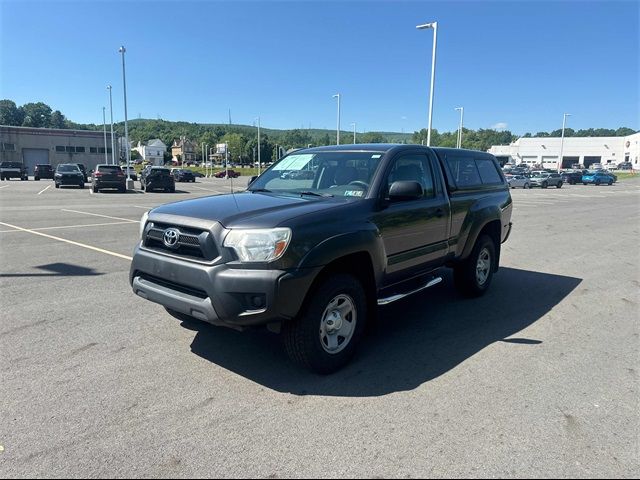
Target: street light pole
{"type": "Point", "coordinates": [122, 50]}
{"type": "Point", "coordinates": [104, 131]}
{"type": "Point", "coordinates": [354, 132]}
{"type": "Point", "coordinates": [259, 163]}
{"type": "Point", "coordinates": [337, 95]}
{"type": "Point", "coordinates": [434, 26]}
{"type": "Point", "coordinates": [564, 123]}
{"type": "Point", "coordinates": [459, 145]}
{"type": "Point", "coordinates": [113, 146]}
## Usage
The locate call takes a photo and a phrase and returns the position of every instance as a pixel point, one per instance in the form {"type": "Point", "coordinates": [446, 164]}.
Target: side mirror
{"type": "Point", "coordinates": [405, 190]}
{"type": "Point", "coordinates": [252, 179]}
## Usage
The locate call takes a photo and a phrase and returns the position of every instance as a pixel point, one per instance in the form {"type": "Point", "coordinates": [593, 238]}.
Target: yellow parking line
{"type": "Point", "coordinates": [98, 215]}
{"type": "Point", "coordinates": [77, 244]}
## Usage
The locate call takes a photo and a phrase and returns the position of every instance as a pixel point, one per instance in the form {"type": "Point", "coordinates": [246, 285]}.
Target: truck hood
{"type": "Point", "coordinates": [249, 210]}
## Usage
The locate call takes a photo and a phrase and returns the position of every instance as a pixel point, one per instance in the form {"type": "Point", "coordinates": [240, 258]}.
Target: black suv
{"type": "Point", "coordinates": [68, 174]}
{"type": "Point", "coordinates": [157, 178]}
{"type": "Point", "coordinates": [183, 175]}
{"type": "Point", "coordinates": [572, 177]}
{"type": "Point", "coordinates": [314, 257]}
{"type": "Point", "coordinates": [43, 170]}
{"type": "Point", "coordinates": [108, 176]}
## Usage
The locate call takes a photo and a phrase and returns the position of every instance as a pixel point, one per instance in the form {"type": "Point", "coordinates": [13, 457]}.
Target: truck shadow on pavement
{"type": "Point", "coordinates": [57, 270]}
{"type": "Point", "coordinates": [414, 340]}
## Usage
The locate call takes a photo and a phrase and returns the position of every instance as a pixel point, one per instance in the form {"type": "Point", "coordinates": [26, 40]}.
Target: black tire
{"type": "Point", "coordinates": [302, 336]}
{"type": "Point", "coordinates": [559, 185]}
{"type": "Point", "coordinates": [544, 185]}
{"type": "Point", "coordinates": [96, 190]}
{"type": "Point", "coordinates": [81, 186]}
{"type": "Point", "coordinates": [465, 274]}
{"type": "Point", "coordinates": [36, 179]}
{"type": "Point", "coordinates": [597, 182]}
{"type": "Point", "coordinates": [142, 186]}
{"type": "Point", "coordinates": [610, 182]}
{"type": "Point", "coordinates": [526, 186]}
{"type": "Point", "coordinates": [172, 190]}
{"type": "Point", "coordinates": [57, 186]}
{"type": "Point", "coordinates": [584, 183]}
{"type": "Point", "coordinates": [122, 189]}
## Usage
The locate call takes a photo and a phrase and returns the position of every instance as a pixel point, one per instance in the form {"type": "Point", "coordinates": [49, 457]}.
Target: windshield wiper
{"type": "Point", "coordinates": [314, 194]}
{"type": "Point", "coordinates": [263, 190]}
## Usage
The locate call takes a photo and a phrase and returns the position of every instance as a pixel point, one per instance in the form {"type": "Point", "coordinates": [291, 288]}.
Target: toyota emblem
{"type": "Point", "coordinates": [170, 237]}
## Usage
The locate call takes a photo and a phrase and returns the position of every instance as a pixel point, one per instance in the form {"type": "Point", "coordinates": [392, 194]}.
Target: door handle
{"type": "Point", "coordinates": [439, 213]}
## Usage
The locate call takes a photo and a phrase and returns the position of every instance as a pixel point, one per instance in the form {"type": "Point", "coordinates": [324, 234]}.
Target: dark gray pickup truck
{"type": "Point", "coordinates": [312, 256]}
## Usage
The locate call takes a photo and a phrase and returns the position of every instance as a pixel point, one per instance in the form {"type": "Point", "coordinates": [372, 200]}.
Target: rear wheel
{"type": "Point", "coordinates": [610, 182]}
{"type": "Point", "coordinates": [473, 276]}
{"type": "Point", "coordinates": [597, 182]}
{"type": "Point", "coordinates": [37, 179]}
{"type": "Point", "coordinates": [81, 185]}
{"type": "Point", "coordinates": [325, 335]}
{"type": "Point", "coordinates": [526, 185]}
{"type": "Point", "coordinates": [544, 185]}
{"type": "Point", "coordinates": [57, 185]}
{"type": "Point", "coordinates": [559, 185]}
{"type": "Point", "coordinates": [584, 183]}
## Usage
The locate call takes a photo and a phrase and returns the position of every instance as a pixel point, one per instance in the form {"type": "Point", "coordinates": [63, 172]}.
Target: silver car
{"type": "Point", "coordinates": [518, 181]}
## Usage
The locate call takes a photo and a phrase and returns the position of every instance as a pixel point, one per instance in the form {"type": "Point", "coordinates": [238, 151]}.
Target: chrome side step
{"type": "Point", "coordinates": [393, 298]}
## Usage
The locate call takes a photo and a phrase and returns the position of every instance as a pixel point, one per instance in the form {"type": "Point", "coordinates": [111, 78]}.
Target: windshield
{"type": "Point", "coordinates": [68, 168]}
{"type": "Point", "coordinates": [339, 174]}
{"type": "Point", "coordinates": [11, 165]}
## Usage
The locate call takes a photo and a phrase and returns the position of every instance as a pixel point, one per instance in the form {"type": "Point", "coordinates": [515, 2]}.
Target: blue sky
{"type": "Point", "coordinates": [521, 64]}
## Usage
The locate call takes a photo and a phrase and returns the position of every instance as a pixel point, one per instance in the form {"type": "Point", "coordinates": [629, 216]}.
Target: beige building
{"type": "Point", "coordinates": [183, 150]}
{"type": "Point", "coordinates": [33, 146]}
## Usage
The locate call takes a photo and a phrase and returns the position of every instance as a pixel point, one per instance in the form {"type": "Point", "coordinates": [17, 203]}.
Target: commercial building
{"type": "Point", "coordinates": [33, 146]}
{"type": "Point", "coordinates": [545, 151]}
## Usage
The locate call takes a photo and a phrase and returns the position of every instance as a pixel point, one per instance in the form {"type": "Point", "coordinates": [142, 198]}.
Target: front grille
{"type": "Point", "coordinates": [191, 244]}
{"type": "Point", "coordinates": [194, 292]}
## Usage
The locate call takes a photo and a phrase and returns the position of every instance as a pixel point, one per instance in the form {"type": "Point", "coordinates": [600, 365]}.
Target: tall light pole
{"type": "Point", "coordinates": [122, 50]}
{"type": "Point", "coordinates": [354, 132]}
{"type": "Point", "coordinates": [259, 163]}
{"type": "Point", "coordinates": [459, 145]}
{"type": "Point", "coordinates": [104, 131]}
{"type": "Point", "coordinates": [113, 146]}
{"type": "Point", "coordinates": [434, 26]}
{"type": "Point", "coordinates": [564, 123]}
{"type": "Point", "coordinates": [337, 95]}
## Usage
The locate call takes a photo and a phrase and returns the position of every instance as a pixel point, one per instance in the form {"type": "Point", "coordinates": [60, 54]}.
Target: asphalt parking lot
{"type": "Point", "coordinates": [539, 378]}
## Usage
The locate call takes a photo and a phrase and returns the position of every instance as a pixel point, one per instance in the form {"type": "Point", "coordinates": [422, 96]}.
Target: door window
{"type": "Point", "coordinates": [415, 168]}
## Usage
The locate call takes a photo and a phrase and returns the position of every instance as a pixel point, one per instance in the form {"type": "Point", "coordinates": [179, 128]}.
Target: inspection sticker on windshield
{"type": "Point", "coordinates": [353, 193]}
{"type": "Point", "coordinates": [294, 162]}
{"type": "Point", "coordinates": [376, 156]}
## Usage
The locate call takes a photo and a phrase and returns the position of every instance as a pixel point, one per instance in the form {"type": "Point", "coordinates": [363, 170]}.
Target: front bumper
{"type": "Point", "coordinates": [75, 180]}
{"type": "Point", "coordinates": [220, 294]}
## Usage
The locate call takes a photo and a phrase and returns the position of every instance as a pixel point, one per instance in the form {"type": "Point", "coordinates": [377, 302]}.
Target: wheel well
{"type": "Point", "coordinates": [357, 264]}
{"type": "Point", "coordinates": [493, 229]}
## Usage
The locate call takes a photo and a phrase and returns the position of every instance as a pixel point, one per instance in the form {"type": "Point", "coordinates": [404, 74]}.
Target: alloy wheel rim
{"type": "Point", "coordinates": [483, 266]}
{"type": "Point", "coordinates": [338, 324]}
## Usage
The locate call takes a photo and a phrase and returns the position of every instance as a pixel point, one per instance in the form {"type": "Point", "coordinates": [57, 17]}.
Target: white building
{"type": "Point", "coordinates": [153, 151]}
{"type": "Point", "coordinates": [545, 151]}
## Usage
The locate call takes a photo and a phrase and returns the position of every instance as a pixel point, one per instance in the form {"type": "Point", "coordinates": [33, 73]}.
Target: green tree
{"type": "Point", "coordinates": [236, 143]}
{"type": "Point", "coordinates": [57, 120]}
{"type": "Point", "coordinates": [36, 114]}
{"type": "Point", "coordinates": [371, 137]}
{"type": "Point", "coordinates": [10, 114]}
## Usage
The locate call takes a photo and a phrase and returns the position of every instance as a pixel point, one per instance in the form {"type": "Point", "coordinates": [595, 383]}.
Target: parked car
{"type": "Point", "coordinates": [43, 170]}
{"type": "Point", "coordinates": [315, 263]}
{"type": "Point", "coordinates": [596, 166]}
{"type": "Point", "coordinates": [571, 177]}
{"type": "Point", "coordinates": [227, 173]}
{"type": "Point", "coordinates": [518, 181]}
{"type": "Point", "coordinates": [625, 166]}
{"type": "Point", "coordinates": [108, 177]}
{"type": "Point", "coordinates": [198, 174]}
{"type": "Point", "coordinates": [131, 173]}
{"type": "Point", "coordinates": [68, 174]}
{"type": "Point", "coordinates": [597, 178]}
{"type": "Point", "coordinates": [157, 178]}
{"type": "Point", "coordinates": [10, 170]}
{"type": "Point", "coordinates": [544, 180]}
{"type": "Point", "coordinates": [183, 175]}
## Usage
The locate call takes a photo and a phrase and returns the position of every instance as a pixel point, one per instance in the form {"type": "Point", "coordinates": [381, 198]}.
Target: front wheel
{"type": "Point", "coordinates": [544, 185]}
{"type": "Point", "coordinates": [325, 335]}
{"type": "Point", "coordinates": [473, 276]}
{"type": "Point", "coordinates": [526, 186]}
{"type": "Point", "coordinates": [584, 183]}
{"type": "Point", "coordinates": [559, 185]}
{"type": "Point", "coordinates": [610, 182]}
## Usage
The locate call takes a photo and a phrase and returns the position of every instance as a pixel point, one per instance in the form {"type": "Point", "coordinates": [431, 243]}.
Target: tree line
{"type": "Point", "coordinates": [242, 139]}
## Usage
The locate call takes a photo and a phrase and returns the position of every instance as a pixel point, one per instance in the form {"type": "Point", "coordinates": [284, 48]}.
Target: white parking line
{"type": "Point", "coordinates": [70, 226]}
{"type": "Point", "coordinates": [5, 186]}
{"type": "Point", "coordinates": [44, 189]}
{"type": "Point", "coordinates": [78, 244]}
{"type": "Point", "coordinates": [98, 215]}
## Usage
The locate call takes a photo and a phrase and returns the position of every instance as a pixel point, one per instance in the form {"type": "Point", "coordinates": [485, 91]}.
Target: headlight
{"type": "Point", "coordinates": [143, 222]}
{"type": "Point", "coordinates": [259, 245]}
